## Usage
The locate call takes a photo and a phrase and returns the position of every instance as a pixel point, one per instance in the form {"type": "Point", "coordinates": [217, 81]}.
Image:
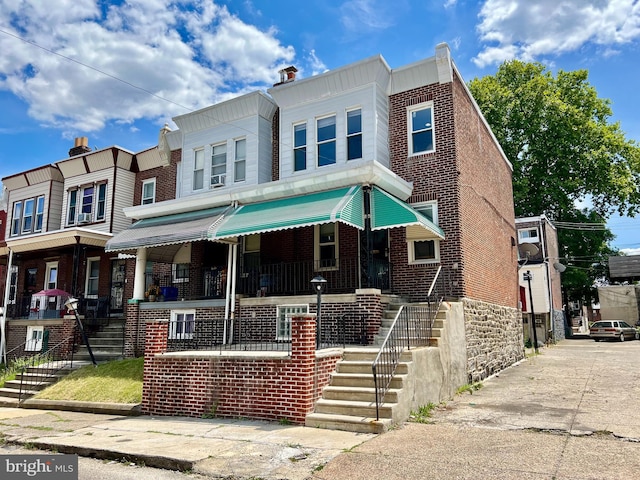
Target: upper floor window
{"type": "Point", "coordinates": [421, 129]}
{"type": "Point", "coordinates": [198, 170]}
{"type": "Point", "coordinates": [423, 249]}
{"type": "Point", "coordinates": [148, 191]}
{"type": "Point", "coordinates": [354, 134]}
{"type": "Point", "coordinates": [218, 164]}
{"type": "Point", "coordinates": [528, 235]}
{"type": "Point", "coordinates": [87, 204]}
{"type": "Point", "coordinates": [326, 140]}
{"type": "Point", "coordinates": [28, 216]}
{"type": "Point", "coordinates": [240, 162]}
{"type": "Point", "coordinates": [300, 147]}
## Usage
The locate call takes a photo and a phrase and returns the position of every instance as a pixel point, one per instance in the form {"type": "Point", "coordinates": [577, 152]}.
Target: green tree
{"type": "Point", "coordinates": [557, 133]}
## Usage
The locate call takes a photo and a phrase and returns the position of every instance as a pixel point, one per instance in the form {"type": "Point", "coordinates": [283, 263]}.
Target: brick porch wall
{"type": "Point", "coordinates": [256, 387]}
{"type": "Point", "coordinates": [59, 330]}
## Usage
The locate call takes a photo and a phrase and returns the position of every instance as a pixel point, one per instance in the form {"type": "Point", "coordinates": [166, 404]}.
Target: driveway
{"type": "Point", "coordinates": [572, 412]}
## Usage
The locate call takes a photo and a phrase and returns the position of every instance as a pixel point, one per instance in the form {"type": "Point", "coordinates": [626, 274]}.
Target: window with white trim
{"type": "Point", "coordinates": [326, 246]}
{"type": "Point", "coordinates": [198, 169]}
{"type": "Point", "coordinates": [421, 132]}
{"type": "Point", "coordinates": [354, 134]}
{"type": "Point", "coordinates": [218, 164]}
{"type": "Point", "coordinates": [16, 218]}
{"type": "Point", "coordinates": [93, 276]}
{"type": "Point", "coordinates": [240, 161]}
{"type": "Point", "coordinates": [28, 216]}
{"type": "Point", "coordinates": [300, 147]}
{"type": "Point", "coordinates": [423, 247]}
{"type": "Point", "coordinates": [72, 210]}
{"type": "Point", "coordinates": [148, 191]}
{"type": "Point", "coordinates": [51, 275]}
{"type": "Point", "coordinates": [182, 325]}
{"type": "Point", "coordinates": [87, 204]}
{"type": "Point", "coordinates": [326, 138]}
{"type": "Point", "coordinates": [34, 339]}
{"type": "Point", "coordinates": [39, 214]}
{"type": "Point", "coordinates": [101, 201]}
{"type": "Point", "coordinates": [528, 235]}
{"type": "Point", "coordinates": [284, 314]}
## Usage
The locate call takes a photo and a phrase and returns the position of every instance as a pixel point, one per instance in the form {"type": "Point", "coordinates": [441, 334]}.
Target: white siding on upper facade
{"type": "Point", "coordinates": [265, 151]}
{"type": "Point", "coordinates": [375, 114]}
{"type": "Point", "coordinates": [122, 198]}
{"type": "Point", "coordinates": [33, 191]}
{"type": "Point", "coordinates": [54, 206]}
{"type": "Point", "coordinates": [86, 179]}
{"type": "Point", "coordinates": [539, 287]}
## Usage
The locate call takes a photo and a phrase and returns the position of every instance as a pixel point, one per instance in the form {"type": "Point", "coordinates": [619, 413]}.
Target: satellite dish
{"type": "Point", "coordinates": [559, 267]}
{"type": "Point", "coordinates": [528, 250]}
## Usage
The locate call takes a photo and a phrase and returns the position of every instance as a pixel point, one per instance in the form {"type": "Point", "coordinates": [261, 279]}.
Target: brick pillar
{"type": "Point", "coordinates": [303, 357]}
{"type": "Point", "coordinates": [133, 331]}
{"type": "Point", "coordinates": [156, 337]}
{"type": "Point", "coordinates": [370, 305]}
{"type": "Point", "coordinates": [68, 332]}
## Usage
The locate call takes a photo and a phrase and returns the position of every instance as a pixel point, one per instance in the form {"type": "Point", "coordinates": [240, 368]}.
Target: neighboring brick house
{"type": "Point", "coordinates": [380, 180]}
{"type": "Point", "coordinates": [59, 219]}
{"type": "Point", "coordinates": [539, 253]}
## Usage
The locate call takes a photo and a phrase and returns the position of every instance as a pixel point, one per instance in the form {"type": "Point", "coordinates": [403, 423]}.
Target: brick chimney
{"type": "Point", "coordinates": [81, 145]}
{"type": "Point", "coordinates": [286, 75]}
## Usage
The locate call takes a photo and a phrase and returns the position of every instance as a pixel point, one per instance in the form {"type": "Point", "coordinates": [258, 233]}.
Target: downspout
{"type": "Point", "coordinates": [233, 289]}
{"type": "Point", "coordinates": [227, 292]}
{"type": "Point", "coordinates": [76, 266]}
{"type": "Point", "coordinates": [3, 319]}
{"type": "Point", "coordinates": [365, 266]}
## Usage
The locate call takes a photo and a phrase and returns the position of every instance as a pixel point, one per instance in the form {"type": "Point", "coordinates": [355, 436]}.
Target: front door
{"type": "Point", "coordinates": [379, 271]}
{"type": "Point", "coordinates": [118, 270]}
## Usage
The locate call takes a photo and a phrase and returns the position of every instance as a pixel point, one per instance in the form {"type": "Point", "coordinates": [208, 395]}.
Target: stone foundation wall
{"type": "Point", "coordinates": [559, 325]}
{"type": "Point", "coordinates": [494, 338]}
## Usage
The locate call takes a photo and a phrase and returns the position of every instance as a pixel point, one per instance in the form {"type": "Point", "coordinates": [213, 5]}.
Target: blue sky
{"type": "Point", "coordinates": [115, 71]}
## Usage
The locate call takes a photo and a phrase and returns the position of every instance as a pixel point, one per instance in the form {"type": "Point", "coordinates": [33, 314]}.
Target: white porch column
{"type": "Point", "coordinates": [3, 314]}
{"type": "Point", "coordinates": [141, 268]}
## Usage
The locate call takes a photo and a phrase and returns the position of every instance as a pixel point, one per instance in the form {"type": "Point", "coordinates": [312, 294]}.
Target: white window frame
{"type": "Point", "coordinates": [429, 210]}
{"type": "Point", "coordinates": [353, 134]}
{"type": "Point", "coordinates": [38, 223]}
{"type": "Point", "coordinates": [221, 167]}
{"type": "Point", "coordinates": [240, 162]}
{"type": "Point", "coordinates": [334, 140]}
{"type": "Point", "coordinates": [182, 325]}
{"type": "Point", "coordinates": [34, 339]}
{"type": "Point", "coordinates": [16, 218]}
{"type": "Point", "coordinates": [51, 267]}
{"type": "Point", "coordinates": [198, 169]}
{"type": "Point", "coordinates": [28, 216]}
{"type": "Point", "coordinates": [410, 132]}
{"type": "Point", "coordinates": [283, 315]}
{"type": "Point", "coordinates": [317, 245]}
{"type": "Point", "coordinates": [89, 278]}
{"type": "Point", "coordinates": [302, 147]}
{"type": "Point", "coordinates": [148, 184]}
{"type": "Point", "coordinates": [72, 208]}
{"type": "Point", "coordinates": [100, 201]}
{"type": "Point", "coordinates": [525, 237]}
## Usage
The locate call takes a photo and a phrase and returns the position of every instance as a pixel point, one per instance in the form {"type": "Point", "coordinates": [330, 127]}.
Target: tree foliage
{"type": "Point", "coordinates": [557, 133]}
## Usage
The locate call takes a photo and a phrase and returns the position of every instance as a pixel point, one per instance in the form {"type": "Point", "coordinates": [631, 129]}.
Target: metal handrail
{"type": "Point", "coordinates": [412, 325]}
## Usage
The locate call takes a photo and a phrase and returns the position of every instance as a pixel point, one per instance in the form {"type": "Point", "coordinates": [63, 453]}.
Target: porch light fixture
{"type": "Point", "coordinates": [72, 304]}
{"type": "Point", "coordinates": [319, 285]}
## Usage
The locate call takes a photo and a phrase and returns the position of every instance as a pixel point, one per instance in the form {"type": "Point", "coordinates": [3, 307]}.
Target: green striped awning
{"type": "Point", "coordinates": [389, 212]}
{"type": "Point", "coordinates": [340, 205]}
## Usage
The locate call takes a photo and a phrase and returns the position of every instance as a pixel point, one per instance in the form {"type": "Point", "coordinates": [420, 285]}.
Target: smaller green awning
{"type": "Point", "coordinates": [389, 212]}
{"type": "Point", "coordinates": [340, 205]}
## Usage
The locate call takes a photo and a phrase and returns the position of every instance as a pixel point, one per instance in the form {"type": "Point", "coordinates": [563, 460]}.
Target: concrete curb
{"type": "Point", "coordinates": [127, 409]}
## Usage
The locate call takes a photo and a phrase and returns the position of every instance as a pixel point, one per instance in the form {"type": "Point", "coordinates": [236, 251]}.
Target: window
{"type": "Point", "coordinates": [27, 216]}
{"type": "Point", "coordinates": [198, 170]}
{"type": "Point", "coordinates": [240, 162]}
{"type": "Point", "coordinates": [183, 324]}
{"type": "Point", "coordinates": [87, 200]}
{"type": "Point", "coordinates": [300, 147]}
{"type": "Point", "coordinates": [354, 134]}
{"type": "Point", "coordinates": [148, 191]}
{"type": "Point", "coordinates": [180, 272]}
{"type": "Point", "coordinates": [421, 129]}
{"type": "Point", "coordinates": [284, 314]}
{"type": "Point", "coordinates": [423, 249]}
{"type": "Point", "coordinates": [39, 214]}
{"type": "Point", "coordinates": [101, 201]}
{"type": "Point", "coordinates": [326, 246]}
{"type": "Point", "coordinates": [218, 164]}
{"type": "Point", "coordinates": [251, 251]}
{"type": "Point", "coordinates": [93, 275]}
{"type": "Point", "coordinates": [326, 140]}
{"type": "Point", "coordinates": [73, 200]}
{"type": "Point", "coordinates": [34, 339]}
{"type": "Point", "coordinates": [529, 235]}
{"type": "Point", "coordinates": [16, 219]}
{"type": "Point", "coordinates": [87, 204]}
{"type": "Point", "coordinates": [51, 277]}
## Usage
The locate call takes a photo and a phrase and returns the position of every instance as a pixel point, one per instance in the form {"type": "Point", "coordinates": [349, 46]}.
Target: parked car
{"type": "Point", "coordinates": [612, 329]}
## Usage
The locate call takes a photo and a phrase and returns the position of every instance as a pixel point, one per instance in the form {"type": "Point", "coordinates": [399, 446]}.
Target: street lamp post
{"type": "Point", "coordinates": [319, 285]}
{"type": "Point", "coordinates": [72, 304]}
{"type": "Point", "coordinates": [528, 276]}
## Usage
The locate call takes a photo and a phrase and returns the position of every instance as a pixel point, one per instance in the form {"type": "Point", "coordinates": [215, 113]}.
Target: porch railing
{"type": "Point", "coordinates": [21, 307]}
{"type": "Point", "coordinates": [412, 327]}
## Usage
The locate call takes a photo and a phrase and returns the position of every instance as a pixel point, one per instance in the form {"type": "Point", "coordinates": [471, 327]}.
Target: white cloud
{"type": "Point", "coordinates": [317, 65]}
{"type": "Point", "coordinates": [631, 251]}
{"type": "Point", "coordinates": [367, 15]}
{"type": "Point", "coordinates": [527, 30]}
{"type": "Point", "coordinates": [191, 52]}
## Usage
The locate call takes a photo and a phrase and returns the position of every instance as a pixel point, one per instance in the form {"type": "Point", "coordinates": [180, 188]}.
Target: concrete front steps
{"type": "Point", "coordinates": [34, 379]}
{"type": "Point", "coordinates": [107, 344]}
{"type": "Point", "coordinates": [349, 401]}
{"type": "Point", "coordinates": [389, 315]}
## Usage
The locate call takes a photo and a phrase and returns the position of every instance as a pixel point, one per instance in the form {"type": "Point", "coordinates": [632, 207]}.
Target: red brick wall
{"type": "Point", "coordinates": [60, 330]}
{"type": "Point", "coordinates": [165, 180]}
{"type": "Point", "coordinates": [252, 387]}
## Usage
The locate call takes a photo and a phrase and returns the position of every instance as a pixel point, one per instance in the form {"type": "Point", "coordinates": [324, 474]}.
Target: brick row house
{"type": "Point", "coordinates": [380, 182]}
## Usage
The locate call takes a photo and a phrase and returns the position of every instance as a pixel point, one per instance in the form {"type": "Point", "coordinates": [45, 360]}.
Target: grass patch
{"type": "Point", "coordinates": [469, 387]}
{"type": "Point", "coordinates": [423, 414]}
{"type": "Point", "coordinates": [113, 382]}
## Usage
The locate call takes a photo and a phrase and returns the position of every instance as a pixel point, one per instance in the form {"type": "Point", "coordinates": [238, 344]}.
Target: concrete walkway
{"type": "Point", "coordinates": [573, 412]}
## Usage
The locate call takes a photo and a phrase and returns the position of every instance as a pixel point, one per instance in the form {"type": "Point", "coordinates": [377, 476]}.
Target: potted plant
{"type": "Point", "coordinates": [152, 293]}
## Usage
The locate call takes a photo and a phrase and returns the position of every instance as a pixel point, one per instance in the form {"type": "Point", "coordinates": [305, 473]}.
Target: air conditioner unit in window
{"type": "Point", "coordinates": [84, 218]}
{"type": "Point", "coordinates": [217, 180]}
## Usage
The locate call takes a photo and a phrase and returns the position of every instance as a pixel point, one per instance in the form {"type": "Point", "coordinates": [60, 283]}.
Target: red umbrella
{"type": "Point", "coordinates": [52, 292]}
